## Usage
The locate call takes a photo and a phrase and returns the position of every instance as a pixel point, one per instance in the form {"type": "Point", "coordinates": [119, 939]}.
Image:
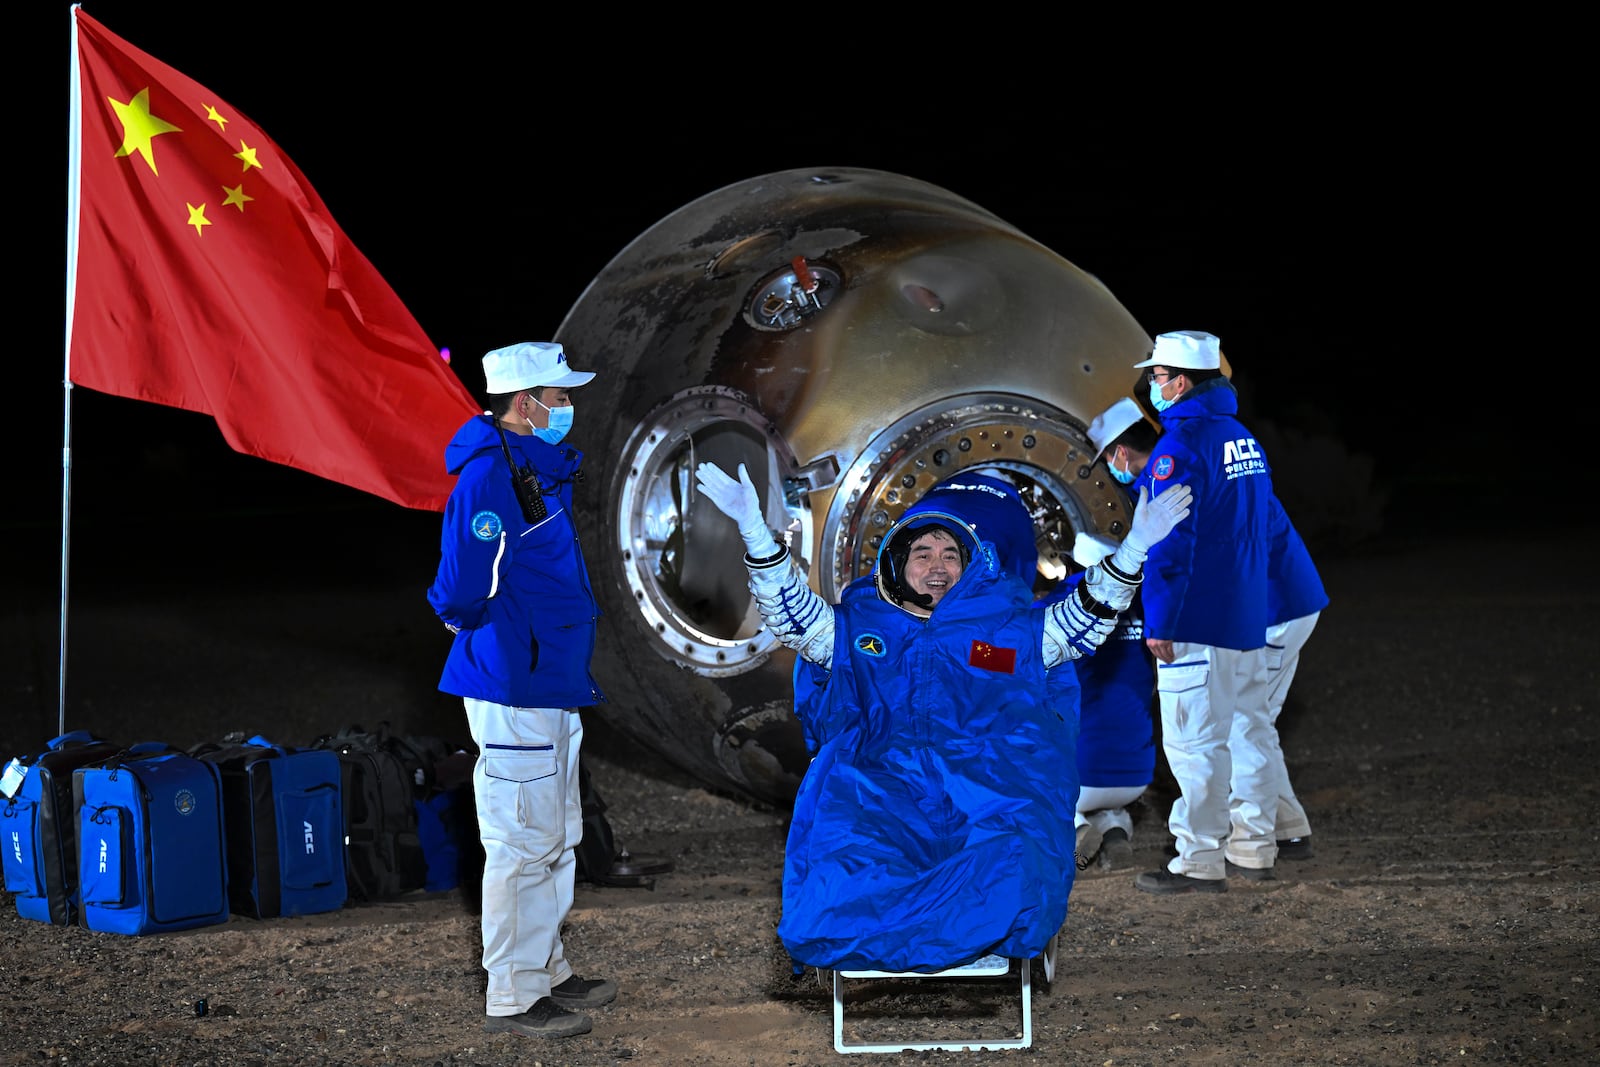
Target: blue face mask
{"type": "Point", "coordinates": [560, 423]}
{"type": "Point", "coordinates": [1124, 477]}
{"type": "Point", "coordinates": [1155, 396]}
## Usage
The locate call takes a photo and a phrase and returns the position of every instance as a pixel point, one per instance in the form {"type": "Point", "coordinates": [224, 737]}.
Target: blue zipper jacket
{"type": "Point", "coordinates": [518, 591]}
{"type": "Point", "coordinates": [1207, 582]}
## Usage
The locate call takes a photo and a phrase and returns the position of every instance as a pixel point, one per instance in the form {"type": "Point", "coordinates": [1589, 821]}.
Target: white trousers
{"type": "Point", "coordinates": [1106, 807]}
{"type": "Point", "coordinates": [530, 820]}
{"type": "Point", "coordinates": [1201, 712]}
{"type": "Point", "coordinates": [1269, 686]}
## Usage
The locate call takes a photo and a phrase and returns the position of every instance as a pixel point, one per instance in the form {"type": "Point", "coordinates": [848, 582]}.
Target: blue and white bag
{"type": "Point", "coordinates": [151, 847]}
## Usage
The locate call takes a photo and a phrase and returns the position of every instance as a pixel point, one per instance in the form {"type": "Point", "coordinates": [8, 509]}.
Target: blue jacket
{"type": "Point", "coordinates": [518, 591]}
{"type": "Point", "coordinates": [1115, 692]}
{"type": "Point", "coordinates": [1116, 722]}
{"type": "Point", "coordinates": [1294, 588]}
{"type": "Point", "coordinates": [935, 822]}
{"type": "Point", "coordinates": [1206, 582]}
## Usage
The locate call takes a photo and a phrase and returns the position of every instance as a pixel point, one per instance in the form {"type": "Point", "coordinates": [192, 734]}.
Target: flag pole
{"type": "Point", "coordinates": [74, 169]}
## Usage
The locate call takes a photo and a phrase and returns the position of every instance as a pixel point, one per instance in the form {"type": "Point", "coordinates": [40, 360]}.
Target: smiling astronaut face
{"type": "Point", "coordinates": [934, 564]}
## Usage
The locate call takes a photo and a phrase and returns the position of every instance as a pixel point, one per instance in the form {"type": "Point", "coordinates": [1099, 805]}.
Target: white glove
{"type": "Point", "coordinates": [1153, 519]}
{"type": "Point", "coordinates": [738, 501]}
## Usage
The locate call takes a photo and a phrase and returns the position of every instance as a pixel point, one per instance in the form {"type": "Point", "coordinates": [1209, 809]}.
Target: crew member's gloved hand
{"type": "Point", "coordinates": [738, 501]}
{"type": "Point", "coordinates": [1153, 519]}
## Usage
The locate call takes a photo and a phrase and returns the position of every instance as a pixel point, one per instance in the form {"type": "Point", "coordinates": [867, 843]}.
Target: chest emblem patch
{"type": "Point", "coordinates": [1162, 468]}
{"type": "Point", "coordinates": [870, 645]}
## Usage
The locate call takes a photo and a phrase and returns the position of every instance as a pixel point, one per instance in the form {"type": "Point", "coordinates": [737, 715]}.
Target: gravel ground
{"type": "Point", "coordinates": [1442, 733]}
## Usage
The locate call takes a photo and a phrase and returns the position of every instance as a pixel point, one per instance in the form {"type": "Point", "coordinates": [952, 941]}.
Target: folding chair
{"type": "Point", "coordinates": [987, 967]}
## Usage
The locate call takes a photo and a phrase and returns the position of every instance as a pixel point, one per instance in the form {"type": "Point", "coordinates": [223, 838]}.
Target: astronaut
{"type": "Point", "coordinates": [932, 826]}
{"type": "Point", "coordinates": [1111, 692]}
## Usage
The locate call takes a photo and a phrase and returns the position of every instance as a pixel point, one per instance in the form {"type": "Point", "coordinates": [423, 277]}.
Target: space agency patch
{"type": "Point", "coordinates": [1161, 469]}
{"type": "Point", "coordinates": [870, 644]}
{"type": "Point", "coordinates": [486, 526]}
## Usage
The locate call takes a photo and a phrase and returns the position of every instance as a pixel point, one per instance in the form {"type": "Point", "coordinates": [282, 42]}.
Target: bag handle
{"type": "Point", "coordinates": [262, 742]}
{"type": "Point", "coordinates": [71, 737]}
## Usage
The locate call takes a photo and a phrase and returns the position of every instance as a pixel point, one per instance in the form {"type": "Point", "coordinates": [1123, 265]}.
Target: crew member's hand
{"type": "Point", "coordinates": [1162, 650]}
{"type": "Point", "coordinates": [738, 500]}
{"type": "Point", "coordinates": [1154, 518]}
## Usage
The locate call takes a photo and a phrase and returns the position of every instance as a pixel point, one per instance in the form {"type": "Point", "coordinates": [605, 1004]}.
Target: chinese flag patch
{"type": "Point", "coordinates": [993, 658]}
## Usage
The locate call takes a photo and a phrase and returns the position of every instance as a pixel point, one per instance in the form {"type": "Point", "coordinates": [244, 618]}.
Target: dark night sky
{"type": "Point", "coordinates": [1327, 228]}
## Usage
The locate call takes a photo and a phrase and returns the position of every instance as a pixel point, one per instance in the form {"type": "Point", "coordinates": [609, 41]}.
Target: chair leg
{"type": "Point", "coordinates": [989, 967]}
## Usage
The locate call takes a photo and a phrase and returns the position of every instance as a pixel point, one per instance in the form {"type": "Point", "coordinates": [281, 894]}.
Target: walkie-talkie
{"type": "Point", "coordinates": [524, 483]}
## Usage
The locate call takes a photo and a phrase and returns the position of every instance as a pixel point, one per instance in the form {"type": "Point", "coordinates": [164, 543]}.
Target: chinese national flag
{"type": "Point", "coordinates": [207, 274]}
{"type": "Point", "coordinates": [993, 657]}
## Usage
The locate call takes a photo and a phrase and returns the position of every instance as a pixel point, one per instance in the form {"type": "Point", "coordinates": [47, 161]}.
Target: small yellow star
{"type": "Point", "coordinates": [211, 113]}
{"type": "Point", "coordinates": [248, 155]}
{"type": "Point", "coordinates": [139, 127]}
{"type": "Point", "coordinates": [236, 196]}
{"type": "Point", "coordinates": [197, 218]}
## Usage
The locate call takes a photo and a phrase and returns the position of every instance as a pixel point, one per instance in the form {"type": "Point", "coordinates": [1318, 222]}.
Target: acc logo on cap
{"type": "Point", "coordinates": [486, 526]}
{"type": "Point", "coordinates": [1161, 470]}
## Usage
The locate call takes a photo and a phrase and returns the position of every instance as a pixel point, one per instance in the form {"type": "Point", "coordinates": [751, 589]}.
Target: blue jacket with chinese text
{"type": "Point", "coordinates": [1206, 582]}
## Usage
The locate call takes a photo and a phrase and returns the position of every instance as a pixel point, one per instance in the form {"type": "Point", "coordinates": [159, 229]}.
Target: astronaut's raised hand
{"type": "Point", "coordinates": [1153, 519]}
{"type": "Point", "coordinates": [739, 501]}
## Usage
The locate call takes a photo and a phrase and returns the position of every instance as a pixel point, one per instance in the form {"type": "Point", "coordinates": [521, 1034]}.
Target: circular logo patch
{"type": "Point", "coordinates": [871, 644]}
{"type": "Point", "coordinates": [183, 801]}
{"type": "Point", "coordinates": [486, 526]}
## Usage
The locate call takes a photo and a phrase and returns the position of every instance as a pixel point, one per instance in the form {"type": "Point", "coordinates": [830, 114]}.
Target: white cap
{"type": "Point", "coordinates": [1186, 350]}
{"type": "Point", "coordinates": [1110, 423]}
{"type": "Point", "coordinates": [530, 365]}
{"type": "Point", "coordinates": [1089, 549]}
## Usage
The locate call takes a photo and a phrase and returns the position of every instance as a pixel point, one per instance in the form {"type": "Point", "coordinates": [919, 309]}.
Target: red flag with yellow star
{"type": "Point", "coordinates": [205, 273]}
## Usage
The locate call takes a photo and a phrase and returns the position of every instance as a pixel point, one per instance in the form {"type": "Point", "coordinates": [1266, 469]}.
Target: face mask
{"type": "Point", "coordinates": [560, 423]}
{"type": "Point", "coordinates": [1124, 477]}
{"type": "Point", "coordinates": [1155, 396]}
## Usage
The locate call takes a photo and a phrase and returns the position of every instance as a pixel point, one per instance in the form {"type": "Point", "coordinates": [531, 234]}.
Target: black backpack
{"type": "Point", "coordinates": [441, 774]}
{"type": "Point", "coordinates": [447, 820]}
{"type": "Point", "coordinates": [383, 854]}
{"type": "Point", "coordinates": [598, 847]}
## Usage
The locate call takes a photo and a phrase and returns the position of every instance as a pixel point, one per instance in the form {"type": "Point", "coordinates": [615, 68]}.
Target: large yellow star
{"type": "Point", "coordinates": [236, 196]}
{"type": "Point", "coordinates": [211, 114]}
{"type": "Point", "coordinates": [197, 218]}
{"type": "Point", "coordinates": [248, 155]}
{"type": "Point", "coordinates": [139, 127]}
